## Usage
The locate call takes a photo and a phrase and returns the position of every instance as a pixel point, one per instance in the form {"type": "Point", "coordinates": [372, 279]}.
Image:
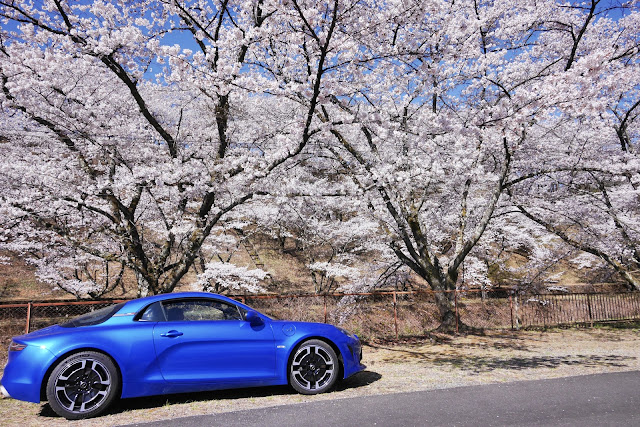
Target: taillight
{"type": "Point", "coordinates": [14, 346]}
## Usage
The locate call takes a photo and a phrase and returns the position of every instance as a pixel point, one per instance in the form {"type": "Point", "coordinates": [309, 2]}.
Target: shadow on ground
{"type": "Point", "coordinates": [457, 354]}
{"type": "Point", "coordinates": [503, 341]}
{"type": "Point", "coordinates": [362, 379]}
{"type": "Point", "coordinates": [486, 364]}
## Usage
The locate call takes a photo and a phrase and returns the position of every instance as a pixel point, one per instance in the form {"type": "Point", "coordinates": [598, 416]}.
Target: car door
{"type": "Point", "coordinates": [208, 341]}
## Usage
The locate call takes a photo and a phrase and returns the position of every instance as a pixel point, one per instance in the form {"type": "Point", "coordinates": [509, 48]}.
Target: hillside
{"type": "Point", "coordinates": [287, 274]}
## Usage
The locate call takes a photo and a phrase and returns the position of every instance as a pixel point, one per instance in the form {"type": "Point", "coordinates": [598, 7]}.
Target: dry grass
{"type": "Point", "coordinates": [18, 281]}
{"type": "Point", "coordinates": [435, 362]}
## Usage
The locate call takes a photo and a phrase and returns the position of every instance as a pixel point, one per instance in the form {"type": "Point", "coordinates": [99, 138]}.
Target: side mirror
{"type": "Point", "coordinates": [252, 317]}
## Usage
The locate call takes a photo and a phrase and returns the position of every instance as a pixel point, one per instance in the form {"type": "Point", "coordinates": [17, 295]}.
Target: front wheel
{"type": "Point", "coordinates": [314, 368]}
{"type": "Point", "coordinates": [83, 385]}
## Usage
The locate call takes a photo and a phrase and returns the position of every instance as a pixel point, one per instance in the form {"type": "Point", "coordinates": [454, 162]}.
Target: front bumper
{"type": "Point", "coordinates": [353, 364]}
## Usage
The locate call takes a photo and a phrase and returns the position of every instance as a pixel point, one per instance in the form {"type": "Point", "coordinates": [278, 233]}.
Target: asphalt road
{"type": "Point", "coordinates": [592, 400]}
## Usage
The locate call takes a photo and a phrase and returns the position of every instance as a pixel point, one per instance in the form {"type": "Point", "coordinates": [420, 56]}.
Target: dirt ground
{"type": "Point", "coordinates": [409, 365]}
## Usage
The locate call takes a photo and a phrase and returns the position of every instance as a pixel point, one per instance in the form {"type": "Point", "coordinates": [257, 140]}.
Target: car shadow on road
{"type": "Point", "coordinates": [362, 379]}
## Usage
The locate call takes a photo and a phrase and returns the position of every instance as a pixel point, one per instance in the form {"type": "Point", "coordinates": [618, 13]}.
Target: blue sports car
{"type": "Point", "coordinates": [173, 343]}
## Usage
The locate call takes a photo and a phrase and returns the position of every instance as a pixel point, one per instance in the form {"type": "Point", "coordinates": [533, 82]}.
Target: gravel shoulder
{"type": "Point", "coordinates": [409, 365]}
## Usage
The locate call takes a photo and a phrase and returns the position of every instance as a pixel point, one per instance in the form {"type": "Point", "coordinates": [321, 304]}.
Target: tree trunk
{"type": "Point", "coordinates": [445, 296]}
{"type": "Point", "coordinates": [447, 310]}
{"type": "Point", "coordinates": [444, 292]}
{"type": "Point", "coordinates": [144, 287]}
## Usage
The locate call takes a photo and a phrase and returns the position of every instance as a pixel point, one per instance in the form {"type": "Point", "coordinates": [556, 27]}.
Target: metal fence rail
{"type": "Point", "coordinates": [379, 314]}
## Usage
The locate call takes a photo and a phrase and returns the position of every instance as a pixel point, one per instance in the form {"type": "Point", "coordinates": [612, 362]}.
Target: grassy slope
{"type": "Point", "coordinates": [288, 274]}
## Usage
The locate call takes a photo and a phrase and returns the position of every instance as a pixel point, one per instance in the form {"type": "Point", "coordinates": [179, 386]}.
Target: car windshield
{"type": "Point", "coordinates": [93, 318]}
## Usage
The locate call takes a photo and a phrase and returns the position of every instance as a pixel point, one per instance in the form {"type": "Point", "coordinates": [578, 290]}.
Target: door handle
{"type": "Point", "coordinates": [171, 334]}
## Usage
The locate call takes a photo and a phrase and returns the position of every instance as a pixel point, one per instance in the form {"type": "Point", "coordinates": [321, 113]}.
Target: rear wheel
{"type": "Point", "coordinates": [83, 385]}
{"type": "Point", "coordinates": [314, 368]}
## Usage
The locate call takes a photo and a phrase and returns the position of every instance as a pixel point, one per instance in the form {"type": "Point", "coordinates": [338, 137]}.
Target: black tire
{"type": "Point", "coordinates": [83, 385]}
{"type": "Point", "coordinates": [314, 368]}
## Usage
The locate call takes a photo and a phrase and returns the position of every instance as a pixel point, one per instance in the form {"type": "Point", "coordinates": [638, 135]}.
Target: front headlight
{"type": "Point", "coordinates": [347, 333]}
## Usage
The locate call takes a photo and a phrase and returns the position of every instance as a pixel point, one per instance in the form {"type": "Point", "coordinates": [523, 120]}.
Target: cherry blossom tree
{"type": "Point", "coordinates": [583, 183]}
{"type": "Point", "coordinates": [336, 246]}
{"type": "Point", "coordinates": [428, 127]}
{"type": "Point", "coordinates": [440, 114]}
{"type": "Point", "coordinates": [410, 130]}
{"type": "Point", "coordinates": [135, 149]}
{"type": "Point", "coordinates": [222, 277]}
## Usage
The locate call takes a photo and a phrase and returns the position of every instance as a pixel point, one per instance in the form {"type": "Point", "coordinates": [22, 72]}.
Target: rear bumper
{"type": "Point", "coordinates": [24, 372]}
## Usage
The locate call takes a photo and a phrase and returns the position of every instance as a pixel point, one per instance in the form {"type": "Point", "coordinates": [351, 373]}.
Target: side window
{"type": "Point", "coordinates": [153, 313]}
{"type": "Point", "coordinates": [201, 309]}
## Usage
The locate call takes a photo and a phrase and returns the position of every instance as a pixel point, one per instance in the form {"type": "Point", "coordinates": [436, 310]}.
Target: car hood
{"type": "Point", "coordinates": [297, 323]}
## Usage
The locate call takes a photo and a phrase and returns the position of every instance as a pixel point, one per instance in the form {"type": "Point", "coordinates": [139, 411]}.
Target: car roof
{"type": "Point", "coordinates": [138, 304]}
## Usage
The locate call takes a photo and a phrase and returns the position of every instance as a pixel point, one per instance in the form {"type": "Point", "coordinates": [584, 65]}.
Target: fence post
{"type": "Point", "coordinates": [515, 310]}
{"type": "Point", "coordinates": [325, 308]}
{"type": "Point", "coordinates": [395, 313]}
{"type": "Point", "coordinates": [511, 308]}
{"type": "Point", "coordinates": [589, 307]}
{"type": "Point", "coordinates": [28, 318]}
